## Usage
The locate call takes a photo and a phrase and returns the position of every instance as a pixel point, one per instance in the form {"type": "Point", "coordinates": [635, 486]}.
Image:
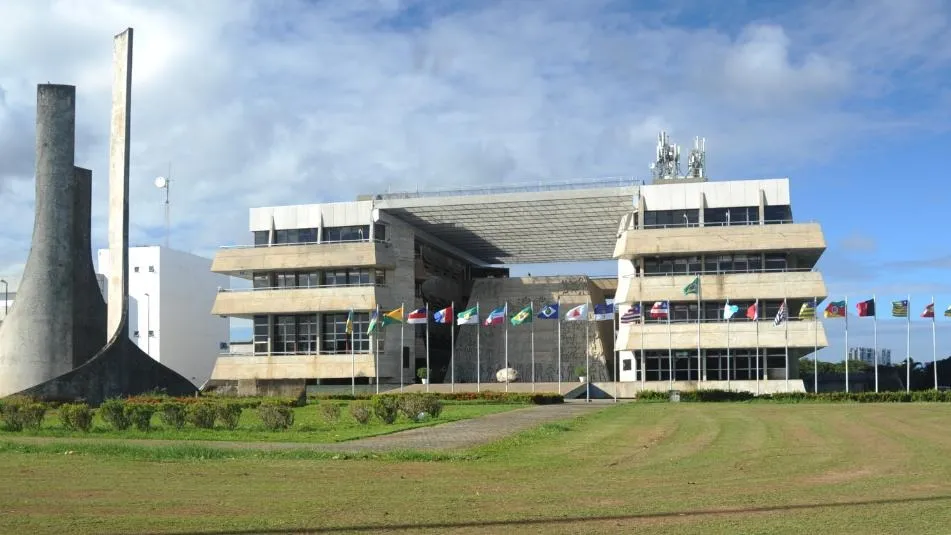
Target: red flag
{"type": "Point", "coordinates": [753, 312]}
{"type": "Point", "coordinates": [929, 311]}
{"type": "Point", "coordinates": [866, 308]}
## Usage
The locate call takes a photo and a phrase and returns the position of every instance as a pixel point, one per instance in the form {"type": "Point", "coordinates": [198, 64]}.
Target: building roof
{"type": "Point", "coordinates": [566, 222]}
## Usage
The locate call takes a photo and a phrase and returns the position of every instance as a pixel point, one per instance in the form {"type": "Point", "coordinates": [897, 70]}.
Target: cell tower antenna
{"type": "Point", "coordinates": [697, 160]}
{"type": "Point", "coordinates": [667, 164]}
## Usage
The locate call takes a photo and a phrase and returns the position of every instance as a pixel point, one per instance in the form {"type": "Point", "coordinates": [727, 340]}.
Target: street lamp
{"type": "Point", "coordinates": [6, 297]}
{"type": "Point", "coordinates": [148, 324]}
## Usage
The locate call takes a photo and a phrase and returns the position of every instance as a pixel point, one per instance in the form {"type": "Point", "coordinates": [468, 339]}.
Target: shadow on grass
{"type": "Point", "coordinates": [567, 519]}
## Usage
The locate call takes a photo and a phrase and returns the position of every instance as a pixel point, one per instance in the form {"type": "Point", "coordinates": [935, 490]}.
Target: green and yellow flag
{"type": "Point", "coordinates": [693, 287]}
{"type": "Point", "coordinates": [523, 316]}
{"type": "Point", "coordinates": [393, 316]}
{"type": "Point", "coordinates": [349, 327]}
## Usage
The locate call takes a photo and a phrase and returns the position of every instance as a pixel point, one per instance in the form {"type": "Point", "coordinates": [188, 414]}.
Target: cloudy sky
{"type": "Point", "coordinates": [289, 101]}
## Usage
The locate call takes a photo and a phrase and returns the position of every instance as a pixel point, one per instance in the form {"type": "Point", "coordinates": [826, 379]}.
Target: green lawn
{"type": "Point", "coordinates": [309, 426]}
{"type": "Point", "coordinates": [632, 468]}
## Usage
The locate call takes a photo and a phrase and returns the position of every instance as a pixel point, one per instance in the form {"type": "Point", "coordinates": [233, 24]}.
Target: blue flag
{"type": "Point", "coordinates": [604, 312]}
{"type": "Point", "coordinates": [550, 312]}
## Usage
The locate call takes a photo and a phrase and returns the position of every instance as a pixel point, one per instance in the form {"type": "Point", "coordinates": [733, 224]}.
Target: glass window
{"type": "Point", "coordinates": [336, 339]}
{"type": "Point", "coordinates": [286, 280]}
{"type": "Point", "coordinates": [693, 264]}
{"type": "Point", "coordinates": [307, 333]}
{"type": "Point", "coordinates": [665, 266]}
{"type": "Point", "coordinates": [710, 263]}
{"type": "Point", "coordinates": [260, 334]}
{"type": "Point", "coordinates": [308, 279]}
{"type": "Point", "coordinates": [347, 234]}
{"type": "Point", "coordinates": [261, 237]}
{"type": "Point", "coordinates": [725, 263]}
{"type": "Point", "coordinates": [356, 277]}
{"type": "Point", "coordinates": [380, 277]}
{"type": "Point", "coordinates": [777, 214]}
{"type": "Point", "coordinates": [307, 235]}
{"type": "Point", "coordinates": [261, 280]}
{"type": "Point", "coordinates": [755, 261]}
{"type": "Point", "coordinates": [379, 231]}
{"type": "Point", "coordinates": [285, 334]}
{"type": "Point", "coordinates": [740, 263]}
{"type": "Point", "coordinates": [775, 261]}
{"type": "Point", "coordinates": [337, 277]}
{"type": "Point", "coordinates": [651, 266]}
{"type": "Point", "coordinates": [680, 265]}
{"type": "Point", "coordinates": [626, 365]}
{"type": "Point", "coordinates": [714, 216]}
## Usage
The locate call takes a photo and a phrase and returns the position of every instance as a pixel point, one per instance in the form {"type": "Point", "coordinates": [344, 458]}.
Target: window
{"type": "Point", "coordinates": [308, 279]}
{"type": "Point", "coordinates": [671, 218]}
{"type": "Point", "coordinates": [405, 357]}
{"type": "Point", "coordinates": [286, 280]}
{"type": "Point", "coordinates": [262, 237]}
{"type": "Point", "coordinates": [151, 334]}
{"type": "Point", "coordinates": [135, 334]}
{"type": "Point", "coordinates": [337, 277]}
{"type": "Point", "coordinates": [151, 269]}
{"type": "Point", "coordinates": [379, 277]}
{"type": "Point", "coordinates": [740, 263]}
{"type": "Point", "coordinates": [222, 346]}
{"type": "Point", "coordinates": [733, 215]}
{"type": "Point", "coordinates": [379, 232]}
{"type": "Point", "coordinates": [260, 335]}
{"type": "Point", "coordinates": [777, 214]}
{"type": "Point", "coordinates": [756, 261]}
{"type": "Point", "coordinates": [775, 261]}
{"type": "Point", "coordinates": [307, 334]}
{"type": "Point", "coordinates": [336, 339]}
{"type": "Point", "coordinates": [262, 280]}
{"type": "Point", "coordinates": [357, 277]}
{"type": "Point", "coordinates": [285, 334]}
{"type": "Point", "coordinates": [626, 365]}
{"type": "Point", "coordinates": [136, 269]}
{"type": "Point", "coordinates": [347, 234]}
{"type": "Point", "coordinates": [307, 235]}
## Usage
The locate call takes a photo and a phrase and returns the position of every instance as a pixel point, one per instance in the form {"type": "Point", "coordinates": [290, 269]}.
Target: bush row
{"type": "Point", "coordinates": [386, 407]}
{"type": "Point", "coordinates": [537, 398]}
{"type": "Point", "coordinates": [793, 397]}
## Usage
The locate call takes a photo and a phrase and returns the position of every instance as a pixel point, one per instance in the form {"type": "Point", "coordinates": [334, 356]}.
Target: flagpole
{"type": "Point", "coordinates": [532, 320]}
{"type": "Point", "coordinates": [815, 348]}
{"type": "Point", "coordinates": [587, 355]}
{"type": "Point", "coordinates": [505, 323]}
{"type": "Point", "coordinates": [728, 384]}
{"type": "Point", "coordinates": [643, 319]}
{"type": "Point", "coordinates": [452, 349]}
{"type": "Point", "coordinates": [786, 322]}
{"type": "Point", "coordinates": [376, 358]}
{"type": "Point", "coordinates": [614, 323]}
{"type": "Point", "coordinates": [875, 339]}
{"type": "Point", "coordinates": [478, 350]}
{"type": "Point", "coordinates": [700, 367]}
{"type": "Point", "coordinates": [934, 345]}
{"type": "Point", "coordinates": [756, 325]}
{"type": "Point", "coordinates": [402, 344]}
{"type": "Point", "coordinates": [908, 347]}
{"type": "Point", "coordinates": [558, 319]}
{"type": "Point", "coordinates": [846, 344]}
{"type": "Point", "coordinates": [670, 351]}
{"type": "Point", "coordinates": [429, 378]}
{"type": "Point", "coordinates": [353, 358]}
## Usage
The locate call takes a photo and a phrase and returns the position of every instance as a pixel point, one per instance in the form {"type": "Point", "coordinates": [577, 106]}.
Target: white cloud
{"type": "Point", "coordinates": [258, 103]}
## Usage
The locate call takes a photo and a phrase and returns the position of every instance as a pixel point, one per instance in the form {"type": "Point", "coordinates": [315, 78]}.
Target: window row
{"type": "Point", "coordinates": [736, 215]}
{"type": "Point", "coordinates": [319, 278]}
{"type": "Point", "coordinates": [350, 233]}
{"type": "Point", "coordinates": [313, 333]}
{"type": "Point", "coordinates": [742, 364]}
{"type": "Point", "coordinates": [730, 263]}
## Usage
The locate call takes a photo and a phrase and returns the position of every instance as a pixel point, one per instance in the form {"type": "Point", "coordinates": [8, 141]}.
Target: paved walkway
{"type": "Point", "coordinates": [449, 436]}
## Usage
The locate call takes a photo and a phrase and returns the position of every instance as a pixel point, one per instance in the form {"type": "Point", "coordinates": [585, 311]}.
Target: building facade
{"type": "Point", "coordinates": [738, 243]}
{"type": "Point", "coordinates": [170, 295]}
{"type": "Point", "coordinates": [867, 355]}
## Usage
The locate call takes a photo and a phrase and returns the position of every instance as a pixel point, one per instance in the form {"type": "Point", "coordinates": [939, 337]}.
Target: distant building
{"type": "Point", "coordinates": [170, 295]}
{"type": "Point", "coordinates": [867, 355]}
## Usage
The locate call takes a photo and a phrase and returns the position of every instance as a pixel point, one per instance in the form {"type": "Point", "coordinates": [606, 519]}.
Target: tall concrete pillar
{"type": "Point", "coordinates": [36, 339]}
{"type": "Point", "coordinates": [89, 309]}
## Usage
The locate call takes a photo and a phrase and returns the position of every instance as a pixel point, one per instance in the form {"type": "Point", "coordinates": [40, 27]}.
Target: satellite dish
{"type": "Point", "coordinates": [161, 182]}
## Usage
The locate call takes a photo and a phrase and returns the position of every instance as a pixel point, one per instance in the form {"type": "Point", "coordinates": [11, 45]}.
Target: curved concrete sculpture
{"type": "Point", "coordinates": [51, 346]}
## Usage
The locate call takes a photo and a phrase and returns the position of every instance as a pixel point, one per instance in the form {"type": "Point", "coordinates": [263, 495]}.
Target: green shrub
{"type": "Point", "coordinates": [651, 395]}
{"type": "Point", "coordinates": [19, 413]}
{"type": "Point", "coordinates": [172, 414]}
{"type": "Point", "coordinates": [76, 417]}
{"type": "Point", "coordinates": [412, 405]}
{"type": "Point", "coordinates": [361, 411]}
{"type": "Point", "coordinates": [113, 412]}
{"type": "Point", "coordinates": [229, 413]}
{"type": "Point", "coordinates": [202, 415]}
{"type": "Point", "coordinates": [276, 417]}
{"type": "Point", "coordinates": [433, 406]}
{"type": "Point", "coordinates": [386, 408]}
{"type": "Point", "coordinates": [140, 414]}
{"type": "Point", "coordinates": [330, 412]}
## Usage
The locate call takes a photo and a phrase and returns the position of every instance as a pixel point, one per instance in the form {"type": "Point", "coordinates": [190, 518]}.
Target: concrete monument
{"type": "Point", "coordinates": [53, 343]}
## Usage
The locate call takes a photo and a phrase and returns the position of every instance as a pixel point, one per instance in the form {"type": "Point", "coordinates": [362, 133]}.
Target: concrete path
{"type": "Point", "coordinates": [443, 437]}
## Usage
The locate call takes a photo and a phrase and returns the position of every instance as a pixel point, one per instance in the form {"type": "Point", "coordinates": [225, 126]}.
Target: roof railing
{"type": "Point", "coordinates": [534, 187]}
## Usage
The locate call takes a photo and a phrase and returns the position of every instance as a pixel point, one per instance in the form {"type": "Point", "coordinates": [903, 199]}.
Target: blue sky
{"type": "Point", "coordinates": [263, 103]}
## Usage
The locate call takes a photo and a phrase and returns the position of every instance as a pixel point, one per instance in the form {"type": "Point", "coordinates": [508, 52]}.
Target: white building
{"type": "Point", "coordinates": [170, 296]}
{"type": "Point", "coordinates": [867, 355]}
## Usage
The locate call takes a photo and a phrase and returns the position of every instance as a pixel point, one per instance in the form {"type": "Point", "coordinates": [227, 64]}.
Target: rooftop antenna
{"type": "Point", "coordinates": [667, 164]}
{"type": "Point", "coordinates": [697, 160]}
{"type": "Point", "coordinates": [162, 182]}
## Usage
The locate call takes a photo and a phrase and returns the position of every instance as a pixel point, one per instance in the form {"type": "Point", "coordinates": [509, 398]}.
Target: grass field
{"type": "Point", "coordinates": [631, 468]}
{"type": "Point", "coordinates": [309, 426]}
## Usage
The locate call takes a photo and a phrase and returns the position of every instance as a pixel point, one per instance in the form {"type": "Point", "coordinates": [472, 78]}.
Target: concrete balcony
{"type": "Point", "coordinates": [242, 260]}
{"type": "Point", "coordinates": [720, 287]}
{"type": "Point", "coordinates": [742, 334]}
{"type": "Point", "coordinates": [696, 240]}
{"type": "Point", "coordinates": [322, 366]}
{"type": "Point", "coordinates": [294, 300]}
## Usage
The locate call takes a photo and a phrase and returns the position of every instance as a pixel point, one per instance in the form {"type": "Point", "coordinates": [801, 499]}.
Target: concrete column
{"type": "Point", "coordinates": [270, 334]}
{"type": "Point", "coordinates": [762, 207]}
{"type": "Point", "coordinates": [703, 205]}
{"type": "Point", "coordinates": [118, 305]}
{"type": "Point", "coordinates": [641, 206]}
{"type": "Point", "coordinates": [89, 309]}
{"type": "Point", "coordinates": [36, 340]}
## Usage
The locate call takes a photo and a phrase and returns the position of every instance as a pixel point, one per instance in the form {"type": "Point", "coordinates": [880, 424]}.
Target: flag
{"type": "Point", "coordinates": [604, 312]}
{"type": "Point", "coordinates": [523, 316]}
{"type": "Point", "coordinates": [550, 312]}
{"type": "Point", "coordinates": [730, 310]}
{"type": "Point", "coordinates": [753, 311]}
{"type": "Point", "coordinates": [900, 308]}
{"type": "Point", "coordinates": [866, 308]}
{"type": "Point", "coordinates": [579, 312]}
{"type": "Point", "coordinates": [808, 310]}
{"type": "Point", "coordinates": [418, 316]}
{"type": "Point", "coordinates": [349, 328]}
{"type": "Point", "coordinates": [632, 314]}
{"type": "Point", "coordinates": [835, 309]}
{"type": "Point", "coordinates": [947, 312]}
{"type": "Point", "coordinates": [497, 316]}
{"type": "Point", "coordinates": [374, 321]}
{"type": "Point", "coordinates": [660, 309]}
{"type": "Point", "coordinates": [443, 316]}
{"type": "Point", "coordinates": [781, 316]}
{"type": "Point", "coordinates": [928, 312]}
{"type": "Point", "coordinates": [469, 316]}
{"type": "Point", "coordinates": [693, 287]}
{"type": "Point", "coordinates": [393, 316]}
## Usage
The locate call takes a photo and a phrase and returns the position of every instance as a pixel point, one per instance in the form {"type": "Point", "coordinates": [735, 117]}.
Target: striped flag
{"type": "Point", "coordinates": [633, 314]}
{"type": "Point", "coordinates": [928, 312]}
{"type": "Point", "coordinates": [420, 316]}
{"type": "Point", "coordinates": [781, 316]}
{"type": "Point", "coordinates": [807, 311]}
{"type": "Point", "coordinates": [900, 308]}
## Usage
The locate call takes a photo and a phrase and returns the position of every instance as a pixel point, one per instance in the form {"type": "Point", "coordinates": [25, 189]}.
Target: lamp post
{"type": "Point", "coordinates": [148, 324]}
{"type": "Point", "coordinates": [162, 183]}
{"type": "Point", "coordinates": [6, 297]}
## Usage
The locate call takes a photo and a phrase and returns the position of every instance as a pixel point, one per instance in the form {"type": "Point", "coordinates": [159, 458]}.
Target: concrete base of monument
{"type": "Point", "coordinates": [120, 369]}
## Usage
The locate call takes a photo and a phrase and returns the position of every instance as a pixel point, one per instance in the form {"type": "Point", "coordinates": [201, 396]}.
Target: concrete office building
{"type": "Point", "coordinates": [867, 355]}
{"type": "Point", "coordinates": [740, 238]}
{"type": "Point", "coordinates": [170, 294]}
{"type": "Point", "coordinates": [309, 265]}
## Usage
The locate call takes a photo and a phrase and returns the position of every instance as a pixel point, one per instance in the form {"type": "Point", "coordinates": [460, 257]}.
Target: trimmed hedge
{"type": "Point", "coordinates": [537, 398]}
{"type": "Point", "coordinates": [919, 396]}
